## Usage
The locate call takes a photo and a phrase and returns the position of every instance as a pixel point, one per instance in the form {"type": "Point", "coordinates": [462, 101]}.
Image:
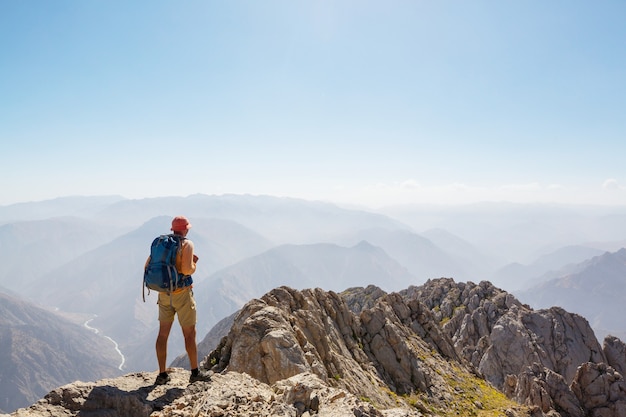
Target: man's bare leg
{"type": "Point", "coordinates": [161, 345]}
{"type": "Point", "coordinates": [189, 332]}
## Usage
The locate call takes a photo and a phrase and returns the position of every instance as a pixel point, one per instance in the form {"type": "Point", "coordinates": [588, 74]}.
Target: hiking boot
{"type": "Point", "coordinates": [162, 379]}
{"type": "Point", "coordinates": [201, 376]}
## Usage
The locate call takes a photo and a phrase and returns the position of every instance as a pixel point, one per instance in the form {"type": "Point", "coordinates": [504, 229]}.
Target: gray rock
{"type": "Point", "coordinates": [533, 356]}
{"type": "Point", "coordinates": [615, 352]}
{"type": "Point", "coordinates": [232, 394]}
{"type": "Point", "coordinates": [600, 389]}
{"type": "Point", "coordinates": [420, 351]}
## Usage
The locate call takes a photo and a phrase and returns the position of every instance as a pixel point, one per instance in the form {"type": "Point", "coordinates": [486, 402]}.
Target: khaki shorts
{"type": "Point", "coordinates": [182, 304]}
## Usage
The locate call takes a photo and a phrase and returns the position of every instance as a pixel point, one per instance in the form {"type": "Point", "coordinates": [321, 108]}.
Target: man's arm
{"type": "Point", "coordinates": [188, 259]}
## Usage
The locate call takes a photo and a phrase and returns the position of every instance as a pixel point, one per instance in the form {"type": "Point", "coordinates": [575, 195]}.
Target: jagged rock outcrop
{"type": "Point", "coordinates": [500, 336]}
{"type": "Point", "coordinates": [615, 351]}
{"type": "Point", "coordinates": [439, 349]}
{"type": "Point", "coordinates": [600, 389]}
{"type": "Point", "coordinates": [288, 332]}
{"type": "Point", "coordinates": [541, 358]}
{"type": "Point", "coordinates": [359, 298]}
{"type": "Point", "coordinates": [545, 389]}
{"type": "Point", "coordinates": [392, 349]}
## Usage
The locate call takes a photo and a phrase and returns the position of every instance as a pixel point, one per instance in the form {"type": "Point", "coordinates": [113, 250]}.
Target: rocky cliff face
{"type": "Point", "coordinates": [548, 359]}
{"type": "Point", "coordinates": [444, 348]}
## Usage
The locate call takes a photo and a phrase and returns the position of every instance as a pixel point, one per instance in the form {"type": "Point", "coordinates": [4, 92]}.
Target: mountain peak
{"type": "Point", "coordinates": [444, 348]}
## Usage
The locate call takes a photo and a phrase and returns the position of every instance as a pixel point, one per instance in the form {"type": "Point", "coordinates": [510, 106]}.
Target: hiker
{"type": "Point", "coordinates": [179, 302]}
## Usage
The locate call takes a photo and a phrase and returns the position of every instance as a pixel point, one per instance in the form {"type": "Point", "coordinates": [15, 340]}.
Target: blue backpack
{"type": "Point", "coordinates": [160, 273]}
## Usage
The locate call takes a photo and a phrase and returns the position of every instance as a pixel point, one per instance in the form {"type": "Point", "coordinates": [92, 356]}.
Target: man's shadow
{"type": "Point", "coordinates": [135, 403]}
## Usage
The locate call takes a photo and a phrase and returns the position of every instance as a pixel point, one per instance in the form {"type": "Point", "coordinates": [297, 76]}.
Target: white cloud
{"type": "Point", "coordinates": [612, 184]}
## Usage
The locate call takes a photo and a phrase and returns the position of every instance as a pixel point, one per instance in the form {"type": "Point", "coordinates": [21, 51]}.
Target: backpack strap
{"type": "Point", "coordinates": [143, 282]}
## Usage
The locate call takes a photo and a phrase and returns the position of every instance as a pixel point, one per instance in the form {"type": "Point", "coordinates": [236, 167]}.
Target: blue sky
{"type": "Point", "coordinates": [364, 102]}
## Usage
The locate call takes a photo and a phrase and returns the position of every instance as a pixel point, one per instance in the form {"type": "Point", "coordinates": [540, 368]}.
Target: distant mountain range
{"type": "Point", "coordinates": [299, 266]}
{"type": "Point", "coordinates": [44, 245]}
{"type": "Point", "coordinates": [84, 255]}
{"type": "Point", "coordinates": [516, 276]}
{"type": "Point", "coordinates": [595, 289]}
{"type": "Point", "coordinates": [41, 350]}
{"type": "Point", "coordinates": [511, 232]}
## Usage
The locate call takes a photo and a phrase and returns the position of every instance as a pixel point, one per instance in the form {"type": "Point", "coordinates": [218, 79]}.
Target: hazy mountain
{"type": "Point", "coordinates": [512, 232]}
{"type": "Point", "coordinates": [9, 292]}
{"type": "Point", "coordinates": [519, 232]}
{"type": "Point", "coordinates": [299, 266]}
{"type": "Point", "coordinates": [419, 255]}
{"type": "Point", "coordinates": [33, 248]}
{"type": "Point", "coordinates": [475, 262]}
{"type": "Point", "coordinates": [76, 206]}
{"type": "Point", "coordinates": [596, 291]}
{"type": "Point", "coordinates": [282, 220]}
{"type": "Point", "coordinates": [41, 351]}
{"type": "Point", "coordinates": [516, 276]}
{"type": "Point", "coordinates": [100, 276]}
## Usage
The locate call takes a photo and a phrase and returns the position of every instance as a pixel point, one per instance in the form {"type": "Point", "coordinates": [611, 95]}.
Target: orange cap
{"type": "Point", "coordinates": [180, 223]}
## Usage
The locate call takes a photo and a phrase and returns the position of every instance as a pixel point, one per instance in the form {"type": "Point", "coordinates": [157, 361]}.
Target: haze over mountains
{"type": "Point", "coordinates": [84, 255]}
{"type": "Point", "coordinates": [593, 288]}
{"type": "Point", "coordinates": [40, 349]}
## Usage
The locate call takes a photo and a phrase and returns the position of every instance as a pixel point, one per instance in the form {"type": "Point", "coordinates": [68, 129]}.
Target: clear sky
{"type": "Point", "coordinates": [368, 102]}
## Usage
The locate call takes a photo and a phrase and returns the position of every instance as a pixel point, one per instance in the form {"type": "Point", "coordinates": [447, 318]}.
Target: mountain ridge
{"type": "Point", "coordinates": [590, 290]}
{"type": "Point", "coordinates": [434, 349]}
{"type": "Point", "coordinates": [223, 241]}
{"type": "Point", "coordinates": [46, 350]}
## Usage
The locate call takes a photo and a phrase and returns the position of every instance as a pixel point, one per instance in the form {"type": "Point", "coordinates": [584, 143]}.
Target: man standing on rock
{"type": "Point", "coordinates": [182, 303]}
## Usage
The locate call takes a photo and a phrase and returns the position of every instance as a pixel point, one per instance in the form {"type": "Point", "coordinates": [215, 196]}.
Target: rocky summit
{"type": "Point", "coordinates": [440, 349]}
